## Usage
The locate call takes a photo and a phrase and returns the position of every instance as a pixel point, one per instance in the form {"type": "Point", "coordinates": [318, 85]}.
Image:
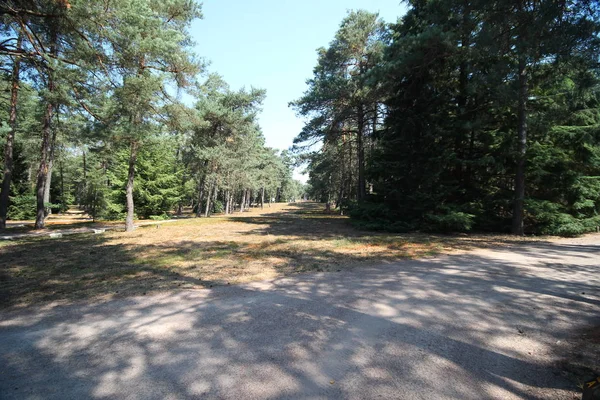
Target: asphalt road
{"type": "Point", "coordinates": [483, 325]}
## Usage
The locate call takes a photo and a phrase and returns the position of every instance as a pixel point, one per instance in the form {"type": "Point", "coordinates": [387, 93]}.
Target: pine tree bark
{"type": "Point", "coordinates": [180, 203]}
{"type": "Point", "coordinates": [262, 197]}
{"type": "Point", "coordinates": [42, 174]}
{"type": "Point", "coordinates": [361, 153]}
{"type": "Point", "coordinates": [48, 183]}
{"type": "Point", "coordinates": [518, 211]}
{"type": "Point", "coordinates": [43, 168]}
{"type": "Point", "coordinates": [62, 185]}
{"type": "Point", "coordinates": [129, 189]}
{"type": "Point", "coordinates": [200, 196]}
{"type": "Point", "coordinates": [215, 194]}
{"type": "Point", "coordinates": [208, 199]}
{"type": "Point", "coordinates": [227, 202]}
{"type": "Point", "coordinates": [8, 148]}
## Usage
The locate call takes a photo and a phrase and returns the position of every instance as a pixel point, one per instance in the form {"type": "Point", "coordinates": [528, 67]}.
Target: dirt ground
{"type": "Point", "coordinates": [195, 253]}
{"type": "Point", "coordinates": [510, 321]}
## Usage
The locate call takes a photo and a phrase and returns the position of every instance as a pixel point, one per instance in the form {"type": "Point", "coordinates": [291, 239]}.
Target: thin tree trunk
{"type": "Point", "coordinates": [48, 184]}
{"type": "Point", "coordinates": [62, 186]}
{"type": "Point", "coordinates": [361, 154]}
{"type": "Point", "coordinates": [200, 196]}
{"type": "Point", "coordinates": [8, 149]}
{"type": "Point", "coordinates": [262, 198]}
{"type": "Point", "coordinates": [42, 174]}
{"type": "Point", "coordinates": [43, 168]}
{"type": "Point", "coordinates": [208, 197]}
{"type": "Point", "coordinates": [84, 168]}
{"type": "Point", "coordinates": [130, 178]}
{"type": "Point", "coordinates": [243, 201]}
{"type": "Point", "coordinates": [215, 194]}
{"type": "Point", "coordinates": [180, 204]}
{"type": "Point", "coordinates": [517, 223]}
{"type": "Point", "coordinates": [82, 187]}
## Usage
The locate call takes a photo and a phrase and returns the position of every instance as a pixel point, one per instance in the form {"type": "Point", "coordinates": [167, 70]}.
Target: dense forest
{"type": "Point", "coordinates": [464, 115]}
{"type": "Point", "coordinates": [93, 114]}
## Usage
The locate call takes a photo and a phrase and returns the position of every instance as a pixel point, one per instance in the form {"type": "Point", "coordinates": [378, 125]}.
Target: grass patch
{"type": "Point", "coordinates": [199, 253]}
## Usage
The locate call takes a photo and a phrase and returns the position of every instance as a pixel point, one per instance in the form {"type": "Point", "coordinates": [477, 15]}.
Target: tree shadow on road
{"type": "Point", "coordinates": [468, 327]}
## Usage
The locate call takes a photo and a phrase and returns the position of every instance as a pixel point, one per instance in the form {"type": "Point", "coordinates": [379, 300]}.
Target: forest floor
{"type": "Point", "coordinates": [494, 319]}
{"type": "Point", "coordinates": [195, 253]}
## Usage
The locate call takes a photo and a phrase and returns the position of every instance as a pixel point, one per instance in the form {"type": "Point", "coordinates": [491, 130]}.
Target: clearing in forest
{"type": "Point", "coordinates": [197, 253]}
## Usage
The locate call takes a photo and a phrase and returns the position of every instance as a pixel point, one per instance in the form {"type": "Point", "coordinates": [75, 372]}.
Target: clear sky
{"type": "Point", "coordinates": [271, 44]}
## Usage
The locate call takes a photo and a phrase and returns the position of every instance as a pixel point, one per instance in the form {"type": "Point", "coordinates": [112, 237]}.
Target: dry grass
{"type": "Point", "coordinates": [199, 253]}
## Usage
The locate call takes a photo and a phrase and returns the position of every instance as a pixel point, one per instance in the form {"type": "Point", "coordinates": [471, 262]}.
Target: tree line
{"type": "Point", "coordinates": [463, 115]}
{"type": "Point", "coordinates": [92, 114]}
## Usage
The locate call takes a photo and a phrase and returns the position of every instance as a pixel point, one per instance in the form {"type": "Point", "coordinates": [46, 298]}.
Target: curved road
{"type": "Point", "coordinates": [482, 325]}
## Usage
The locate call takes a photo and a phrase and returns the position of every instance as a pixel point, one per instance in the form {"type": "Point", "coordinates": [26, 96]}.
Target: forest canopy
{"type": "Point", "coordinates": [464, 115]}
{"type": "Point", "coordinates": [92, 115]}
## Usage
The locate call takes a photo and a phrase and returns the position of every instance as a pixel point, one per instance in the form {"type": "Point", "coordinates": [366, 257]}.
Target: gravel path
{"type": "Point", "coordinates": [483, 325]}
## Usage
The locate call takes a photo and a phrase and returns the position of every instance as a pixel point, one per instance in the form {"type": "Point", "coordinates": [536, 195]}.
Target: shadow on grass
{"type": "Point", "coordinates": [443, 328]}
{"type": "Point", "coordinates": [390, 329]}
{"type": "Point", "coordinates": [80, 267]}
{"type": "Point", "coordinates": [310, 221]}
{"type": "Point", "coordinates": [301, 240]}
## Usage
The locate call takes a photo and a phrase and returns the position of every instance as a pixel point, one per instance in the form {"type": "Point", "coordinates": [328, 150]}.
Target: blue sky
{"type": "Point", "coordinates": [271, 44]}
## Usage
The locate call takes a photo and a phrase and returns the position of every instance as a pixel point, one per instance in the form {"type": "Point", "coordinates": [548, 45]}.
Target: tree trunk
{"type": "Point", "coordinates": [180, 203]}
{"type": "Point", "coordinates": [215, 194]}
{"type": "Point", "coordinates": [462, 98]}
{"type": "Point", "coordinates": [208, 198]}
{"type": "Point", "coordinates": [361, 153]}
{"type": "Point", "coordinates": [43, 168]}
{"type": "Point", "coordinates": [130, 177]}
{"type": "Point", "coordinates": [45, 150]}
{"type": "Point", "coordinates": [262, 197]}
{"type": "Point", "coordinates": [62, 185]}
{"type": "Point", "coordinates": [48, 183]}
{"type": "Point", "coordinates": [200, 196]}
{"type": "Point", "coordinates": [8, 149]}
{"type": "Point", "coordinates": [517, 223]}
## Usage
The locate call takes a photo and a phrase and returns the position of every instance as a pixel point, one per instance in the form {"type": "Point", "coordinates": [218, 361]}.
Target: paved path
{"type": "Point", "coordinates": [483, 325]}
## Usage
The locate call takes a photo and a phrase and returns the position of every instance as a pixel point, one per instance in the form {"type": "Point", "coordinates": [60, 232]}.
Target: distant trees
{"type": "Point", "coordinates": [491, 120]}
{"type": "Point", "coordinates": [95, 85]}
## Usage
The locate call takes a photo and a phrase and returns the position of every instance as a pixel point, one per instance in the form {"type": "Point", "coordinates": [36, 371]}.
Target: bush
{"type": "Point", "coordinates": [548, 218]}
{"type": "Point", "coordinates": [22, 207]}
{"type": "Point", "coordinates": [112, 212]}
{"type": "Point", "coordinates": [376, 217]}
{"type": "Point", "coordinates": [369, 212]}
{"type": "Point", "coordinates": [161, 217]}
{"type": "Point", "coordinates": [218, 207]}
{"type": "Point", "coordinates": [450, 221]}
